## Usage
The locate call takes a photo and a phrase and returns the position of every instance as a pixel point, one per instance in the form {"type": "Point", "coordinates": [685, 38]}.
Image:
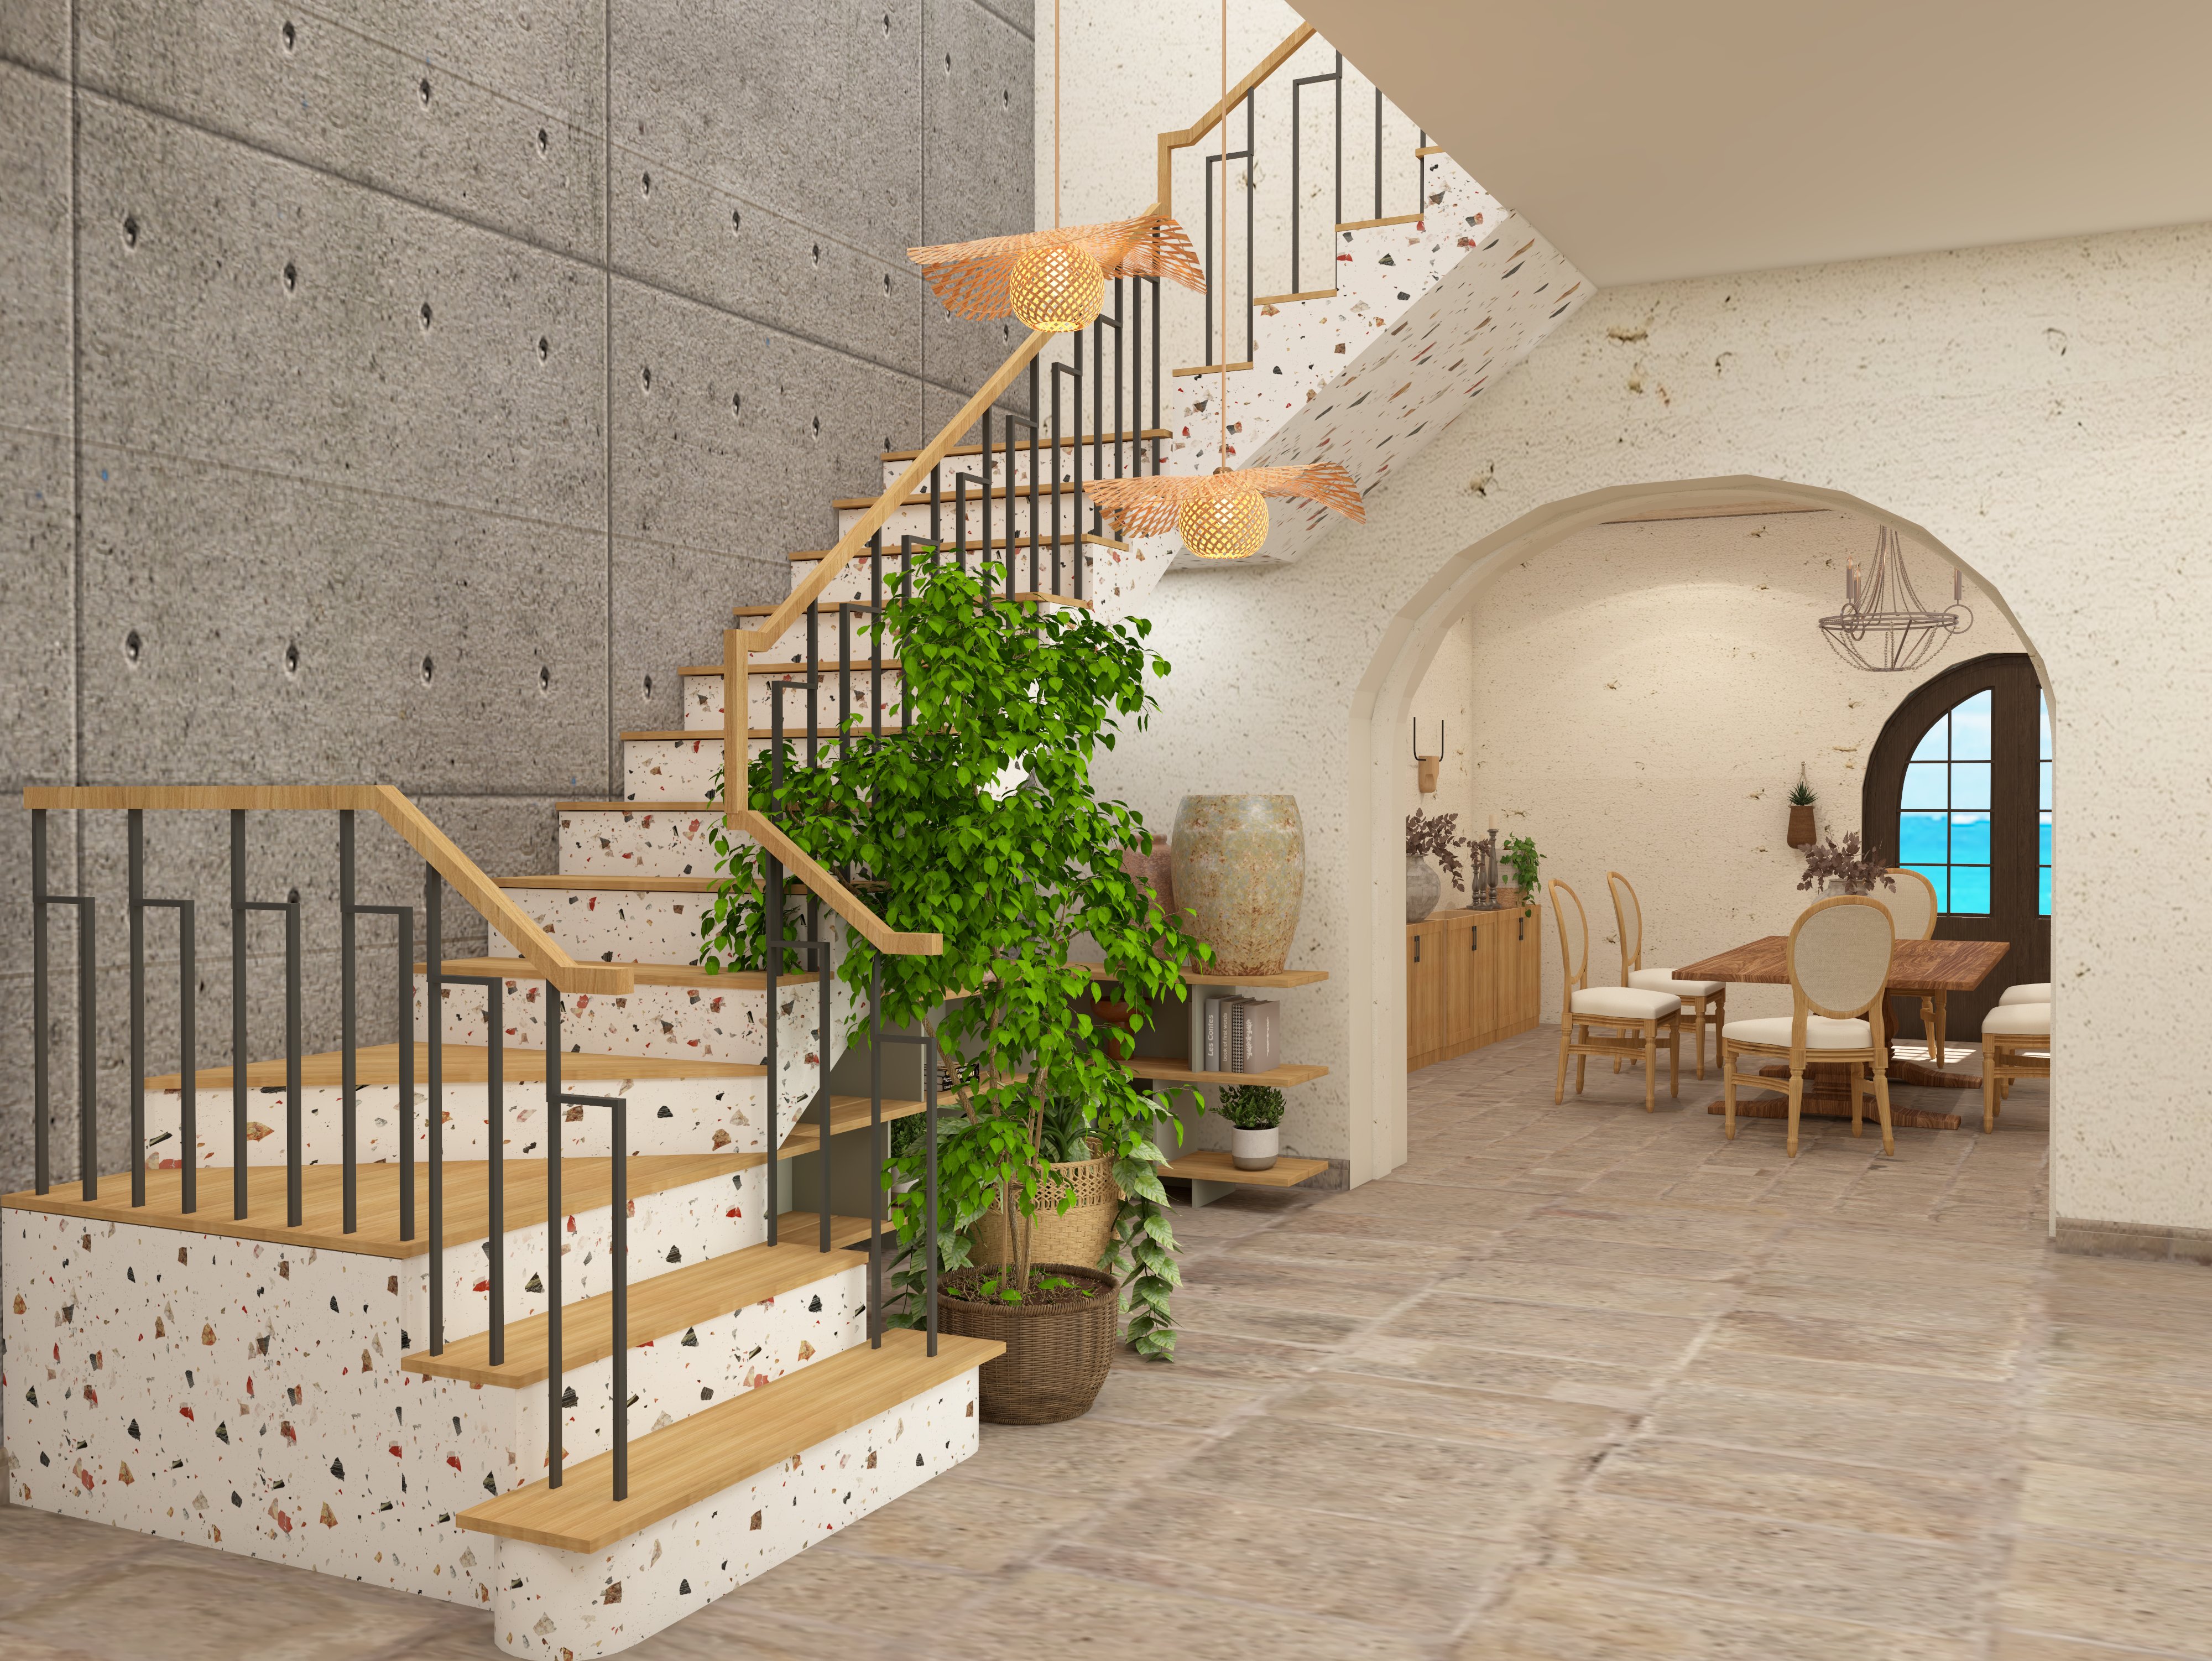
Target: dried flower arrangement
{"type": "Point", "coordinates": [1433, 837]}
{"type": "Point", "coordinates": [1830, 861]}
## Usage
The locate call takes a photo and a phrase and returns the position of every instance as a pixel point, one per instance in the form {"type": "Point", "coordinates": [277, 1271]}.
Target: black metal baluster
{"type": "Point", "coordinates": [496, 1171]}
{"type": "Point", "coordinates": [1036, 399]}
{"type": "Point", "coordinates": [878, 1152]}
{"type": "Point", "coordinates": [813, 685]}
{"type": "Point", "coordinates": [936, 501]}
{"type": "Point", "coordinates": [929, 1064]}
{"type": "Point", "coordinates": [1251, 196]}
{"type": "Point", "coordinates": [618, 1108]}
{"type": "Point", "coordinates": [1378, 152]}
{"type": "Point", "coordinates": [137, 930]}
{"type": "Point", "coordinates": [845, 679]}
{"type": "Point", "coordinates": [404, 916]}
{"type": "Point", "coordinates": [295, 1109]}
{"type": "Point", "coordinates": [1206, 241]}
{"type": "Point", "coordinates": [88, 1043]}
{"type": "Point", "coordinates": [348, 1072]}
{"type": "Point", "coordinates": [239, 1051]}
{"type": "Point", "coordinates": [433, 952]}
{"type": "Point", "coordinates": [772, 961]}
{"type": "Point", "coordinates": [1338, 174]}
{"type": "Point", "coordinates": [41, 1080]}
{"type": "Point", "coordinates": [819, 948]}
{"type": "Point", "coordinates": [553, 1132]}
{"type": "Point", "coordinates": [1155, 423]}
{"type": "Point", "coordinates": [1420, 173]}
{"type": "Point", "coordinates": [1076, 375]}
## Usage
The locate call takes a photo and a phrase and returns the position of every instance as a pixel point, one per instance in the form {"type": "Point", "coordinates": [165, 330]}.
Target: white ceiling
{"type": "Point", "coordinates": [1650, 139]}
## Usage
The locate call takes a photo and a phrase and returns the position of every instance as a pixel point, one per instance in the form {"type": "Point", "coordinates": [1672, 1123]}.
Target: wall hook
{"type": "Point", "coordinates": [1428, 766]}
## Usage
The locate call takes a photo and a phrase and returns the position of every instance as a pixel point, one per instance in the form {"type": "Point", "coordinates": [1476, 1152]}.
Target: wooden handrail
{"type": "Point", "coordinates": [388, 804]}
{"type": "Point", "coordinates": [1169, 143]}
{"type": "Point", "coordinates": [839, 898]}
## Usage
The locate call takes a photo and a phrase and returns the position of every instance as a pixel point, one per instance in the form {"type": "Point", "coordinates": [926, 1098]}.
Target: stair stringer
{"type": "Point", "coordinates": [1369, 377]}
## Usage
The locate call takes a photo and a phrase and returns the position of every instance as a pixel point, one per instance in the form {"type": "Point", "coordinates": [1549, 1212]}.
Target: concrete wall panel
{"type": "Point", "coordinates": [345, 94]}
{"type": "Point", "coordinates": [35, 33]}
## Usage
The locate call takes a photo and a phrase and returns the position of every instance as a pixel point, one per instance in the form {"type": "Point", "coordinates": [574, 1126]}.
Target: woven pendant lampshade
{"type": "Point", "coordinates": [1224, 527]}
{"type": "Point", "coordinates": [1059, 288]}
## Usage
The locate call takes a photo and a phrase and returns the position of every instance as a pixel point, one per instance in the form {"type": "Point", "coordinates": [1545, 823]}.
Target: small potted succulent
{"type": "Point", "coordinates": [1255, 1112]}
{"type": "Point", "coordinates": [1432, 836]}
{"type": "Point", "coordinates": [1835, 867]}
{"type": "Point", "coordinates": [1802, 833]}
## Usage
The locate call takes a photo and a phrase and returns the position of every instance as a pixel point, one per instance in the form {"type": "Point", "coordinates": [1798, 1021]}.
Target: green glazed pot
{"type": "Point", "coordinates": [1240, 878]}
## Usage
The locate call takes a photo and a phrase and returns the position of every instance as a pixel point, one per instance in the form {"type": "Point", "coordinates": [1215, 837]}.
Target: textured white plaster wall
{"type": "Point", "coordinates": [1685, 682]}
{"type": "Point", "coordinates": [2040, 411]}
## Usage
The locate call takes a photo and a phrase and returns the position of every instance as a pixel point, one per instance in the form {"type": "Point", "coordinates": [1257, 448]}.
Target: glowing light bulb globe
{"type": "Point", "coordinates": [1058, 289]}
{"type": "Point", "coordinates": [1224, 527]}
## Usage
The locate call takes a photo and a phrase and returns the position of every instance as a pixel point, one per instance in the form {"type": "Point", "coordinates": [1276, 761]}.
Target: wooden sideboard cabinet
{"type": "Point", "coordinates": [1472, 977]}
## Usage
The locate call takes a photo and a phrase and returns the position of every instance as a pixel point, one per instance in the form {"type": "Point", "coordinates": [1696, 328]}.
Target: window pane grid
{"type": "Point", "coordinates": [2043, 804]}
{"type": "Point", "coordinates": [1943, 827]}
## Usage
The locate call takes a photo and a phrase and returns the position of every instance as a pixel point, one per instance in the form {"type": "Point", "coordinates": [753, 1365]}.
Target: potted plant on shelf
{"type": "Point", "coordinates": [1802, 833]}
{"type": "Point", "coordinates": [1010, 879]}
{"type": "Point", "coordinates": [1519, 857]}
{"type": "Point", "coordinates": [1255, 1112]}
{"type": "Point", "coordinates": [1432, 836]}
{"type": "Point", "coordinates": [1840, 868]}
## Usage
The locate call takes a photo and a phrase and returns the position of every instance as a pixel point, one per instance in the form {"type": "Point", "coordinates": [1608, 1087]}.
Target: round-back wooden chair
{"type": "Point", "coordinates": [1622, 1022]}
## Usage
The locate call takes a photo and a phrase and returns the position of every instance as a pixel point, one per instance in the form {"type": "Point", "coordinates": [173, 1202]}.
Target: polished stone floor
{"type": "Point", "coordinates": [1574, 1383]}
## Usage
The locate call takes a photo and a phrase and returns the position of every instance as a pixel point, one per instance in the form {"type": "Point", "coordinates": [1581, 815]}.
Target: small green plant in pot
{"type": "Point", "coordinates": [1255, 1112]}
{"type": "Point", "coordinates": [1519, 857]}
{"type": "Point", "coordinates": [1802, 834]}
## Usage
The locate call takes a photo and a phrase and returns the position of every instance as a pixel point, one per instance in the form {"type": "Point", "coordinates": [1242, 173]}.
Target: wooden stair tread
{"type": "Point", "coordinates": [1089, 537]}
{"type": "Point", "coordinates": [850, 1113]}
{"type": "Point", "coordinates": [1176, 1069]}
{"type": "Point", "coordinates": [863, 606]}
{"type": "Point", "coordinates": [586, 1184]}
{"type": "Point", "coordinates": [648, 974]}
{"type": "Point", "coordinates": [1376, 224]}
{"type": "Point", "coordinates": [1293, 299]}
{"type": "Point", "coordinates": [1125, 436]}
{"type": "Point", "coordinates": [464, 1063]}
{"type": "Point", "coordinates": [770, 666]}
{"type": "Point", "coordinates": [660, 1306]}
{"type": "Point", "coordinates": [615, 882]}
{"type": "Point", "coordinates": [1045, 488]}
{"type": "Point", "coordinates": [696, 1458]}
{"type": "Point", "coordinates": [1211, 1165]}
{"type": "Point", "coordinates": [713, 735]}
{"type": "Point", "coordinates": [1211, 368]}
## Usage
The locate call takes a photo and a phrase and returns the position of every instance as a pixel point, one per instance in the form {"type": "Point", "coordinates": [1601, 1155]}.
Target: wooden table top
{"type": "Point", "coordinates": [1918, 965]}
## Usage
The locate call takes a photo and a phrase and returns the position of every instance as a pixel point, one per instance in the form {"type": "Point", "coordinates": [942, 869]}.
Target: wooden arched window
{"type": "Point", "coordinates": [1959, 789]}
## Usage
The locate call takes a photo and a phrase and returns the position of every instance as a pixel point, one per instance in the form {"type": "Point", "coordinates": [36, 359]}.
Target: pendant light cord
{"type": "Point", "coordinates": [1056, 114]}
{"type": "Point", "coordinates": [1223, 396]}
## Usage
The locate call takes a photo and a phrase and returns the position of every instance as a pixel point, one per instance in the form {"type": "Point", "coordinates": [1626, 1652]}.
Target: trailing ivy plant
{"type": "Point", "coordinates": [980, 823]}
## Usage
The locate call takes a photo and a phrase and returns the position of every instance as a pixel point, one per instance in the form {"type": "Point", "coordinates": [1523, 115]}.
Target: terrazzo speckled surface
{"type": "Point", "coordinates": [1574, 1383]}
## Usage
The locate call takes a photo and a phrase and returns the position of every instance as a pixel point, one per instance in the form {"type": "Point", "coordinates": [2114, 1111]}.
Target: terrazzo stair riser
{"type": "Point", "coordinates": [672, 1021]}
{"type": "Point", "coordinates": [666, 1022]}
{"type": "Point", "coordinates": [619, 925]}
{"type": "Point", "coordinates": [914, 521]}
{"type": "Point", "coordinates": [654, 842]}
{"type": "Point", "coordinates": [684, 770]}
{"type": "Point", "coordinates": [663, 928]}
{"type": "Point", "coordinates": [702, 700]}
{"type": "Point", "coordinates": [567, 1606]}
{"type": "Point", "coordinates": [665, 1115]}
{"type": "Point", "coordinates": [244, 1396]}
{"type": "Point", "coordinates": [1055, 462]}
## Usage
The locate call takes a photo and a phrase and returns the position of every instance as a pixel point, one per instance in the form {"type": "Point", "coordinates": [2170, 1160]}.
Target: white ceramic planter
{"type": "Point", "coordinates": [1255, 1150]}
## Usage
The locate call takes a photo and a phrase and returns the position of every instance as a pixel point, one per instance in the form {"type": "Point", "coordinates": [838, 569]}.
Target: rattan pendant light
{"type": "Point", "coordinates": [1055, 280]}
{"type": "Point", "coordinates": [1222, 514]}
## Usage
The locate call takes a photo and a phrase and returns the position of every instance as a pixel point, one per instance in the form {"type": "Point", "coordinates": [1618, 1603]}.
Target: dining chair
{"type": "Point", "coordinates": [1914, 910]}
{"type": "Point", "coordinates": [2015, 1045]}
{"type": "Point", "coordinates": [1629, 1018]}
{"type": "Point", "coordinates": [1703, 1002]}
{"type": "Point", "coordinates": [1837, 960]}
{"type": "Point", "coordinates": [2026, 992]}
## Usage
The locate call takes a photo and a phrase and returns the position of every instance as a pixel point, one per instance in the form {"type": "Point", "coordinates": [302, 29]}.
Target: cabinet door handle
{"type": "Point", "coordinates": [1474, 939]}
{"type": "Point", "coordinates": [1523, 927]}
{"type": "Point", "coordinates": [1417, 948]}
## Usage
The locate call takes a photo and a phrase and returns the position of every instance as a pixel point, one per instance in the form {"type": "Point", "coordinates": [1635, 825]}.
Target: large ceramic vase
{"type": "Point", "coordinates": [1424, 888]}
{"type": "Point", "coordinates": [1240, 878]}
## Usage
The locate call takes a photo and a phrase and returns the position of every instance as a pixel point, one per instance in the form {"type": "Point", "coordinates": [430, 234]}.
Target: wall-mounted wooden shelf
{"type": "Point", "coordinates": [1211, 1174]}
{"type": "Point", "coordinates": [1176, 1069]}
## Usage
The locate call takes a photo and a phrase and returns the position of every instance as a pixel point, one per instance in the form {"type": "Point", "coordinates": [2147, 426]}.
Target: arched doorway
{"type": "Point", "coordinates": [1958, 786]}
{"type": "Point", "coordinates": [1381, 706]}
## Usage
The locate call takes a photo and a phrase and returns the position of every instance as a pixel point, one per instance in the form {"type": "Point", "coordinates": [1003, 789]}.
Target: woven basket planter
{"type": "Point", "coordinates": [1057, 1355]}
{"type": "Point", "coordinates": [1077, 1235]}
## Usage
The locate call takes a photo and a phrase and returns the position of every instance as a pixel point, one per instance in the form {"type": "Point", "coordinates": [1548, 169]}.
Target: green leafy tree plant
{"type": "Point", "coordinates": [1520, 857]}
{"type": "Point", "coordinates": [980, 823]}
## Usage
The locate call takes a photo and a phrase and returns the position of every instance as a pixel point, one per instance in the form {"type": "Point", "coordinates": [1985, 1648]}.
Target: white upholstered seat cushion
{"type": "Point", "coordinates": [2033, 1020]}
{"type": "Point", "coordinates": [1820, 1032]}
{"type": "Point", "coordinates": [1627, 1003]}
{"type": "Point", "coordinates": [1662, 980]}
{"type": "Point", "coordinates": [2029, 992]}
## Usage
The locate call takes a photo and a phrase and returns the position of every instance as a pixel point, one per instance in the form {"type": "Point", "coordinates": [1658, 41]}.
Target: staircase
{"type": "Point", "coordinates": [514, 1311]}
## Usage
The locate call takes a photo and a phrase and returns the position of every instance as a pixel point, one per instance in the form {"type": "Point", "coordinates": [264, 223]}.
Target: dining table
{"type": "Point", "coordinates": [1927, 969]}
